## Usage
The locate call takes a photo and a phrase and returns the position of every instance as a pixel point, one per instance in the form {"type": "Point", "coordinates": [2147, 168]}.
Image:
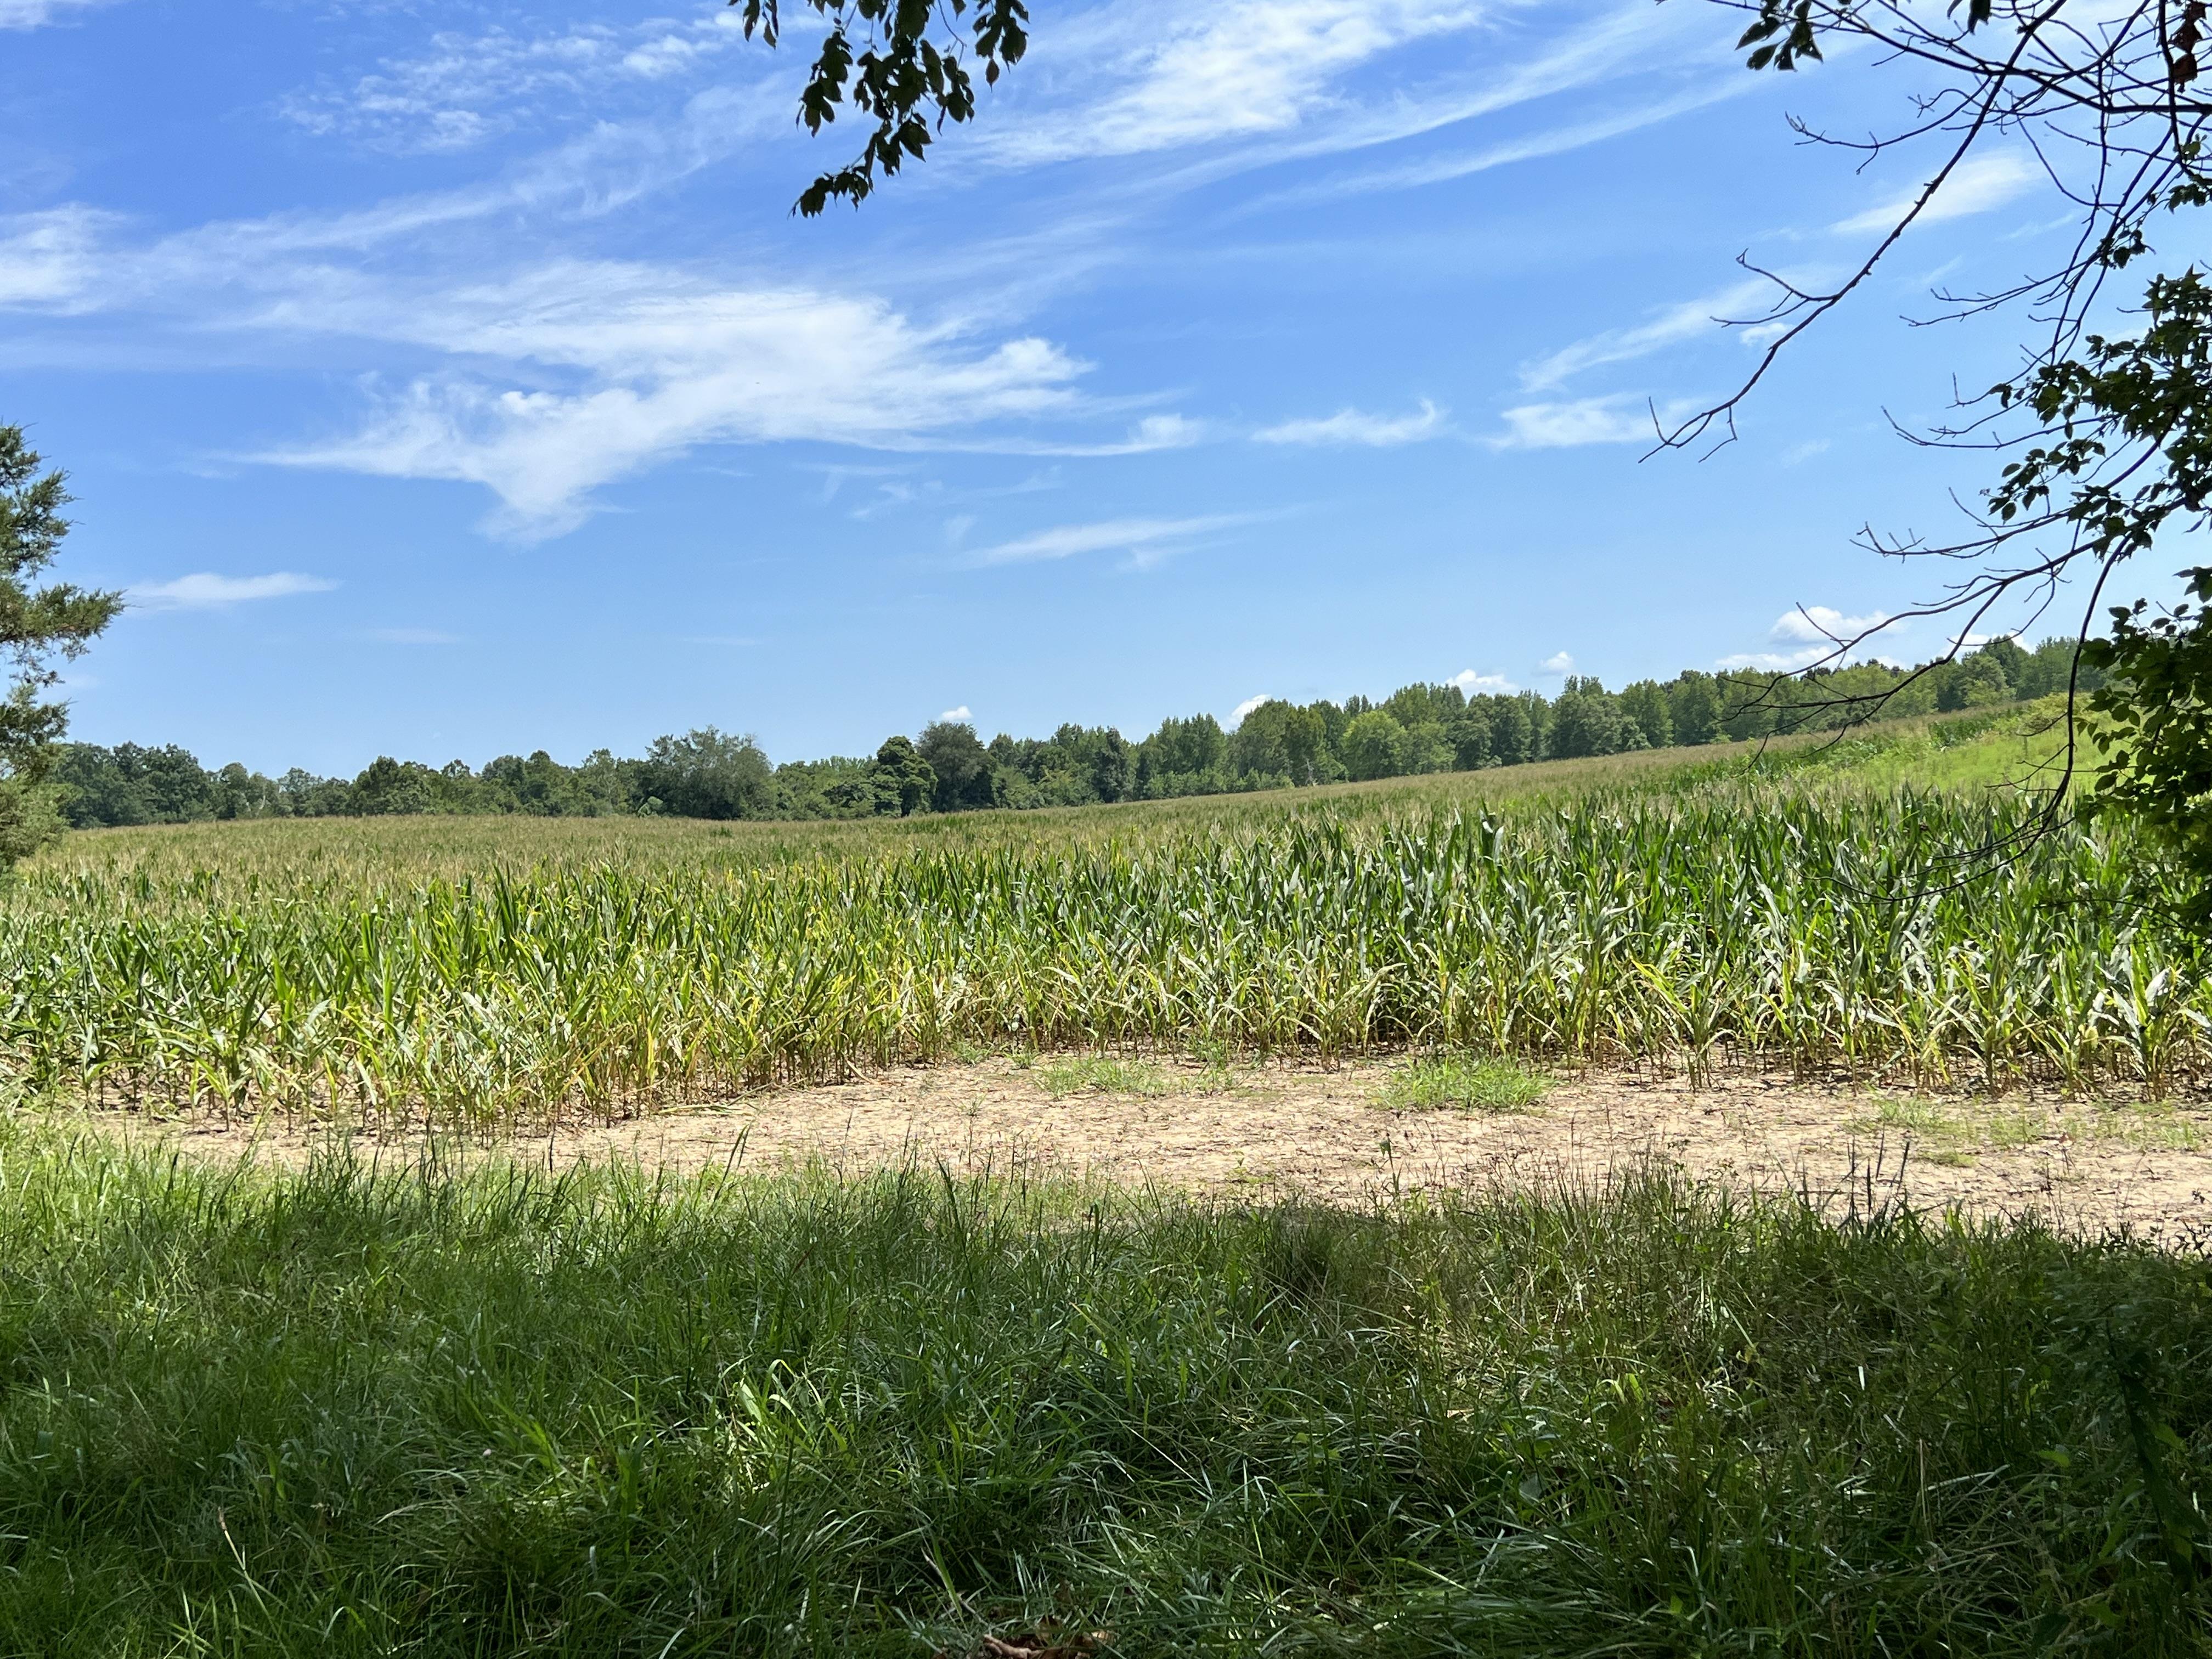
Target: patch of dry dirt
{"type": "Point", "coordinates": [1324, 1133]}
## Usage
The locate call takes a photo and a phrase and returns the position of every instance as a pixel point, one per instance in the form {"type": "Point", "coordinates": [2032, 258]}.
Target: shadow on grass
{"type": "Point", "coordinates": [487, 1411]}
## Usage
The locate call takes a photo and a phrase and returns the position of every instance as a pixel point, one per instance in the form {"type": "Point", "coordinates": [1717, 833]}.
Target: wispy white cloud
{"type": "Point", "coordinates": [893, 494]}
{"type": "Point", "coordinates": [1355, 427]}
{"type": "Point", "coordinates": [52, 260]}
{"type": "Point", "coordinates": [466, 89]}
{"type": "Point", "coordinates": [36, 14]}
{"type": "Point", "coordinates": [1670, 326]}
{"type": "Point", "coordinates": [1170, 75]}
{"type": "Point", "coordinates": [311, 272]}
{"type": "Point", "coordinates": [1618, 43]}
{"type": "Point", "coordinates": [1165, 432]}
{"type": "Point", "coordinates": [1981, 183]}
{"type": "Point", "coordinates": [610, 367]}
{"type": "Point", "coordinates": [1154, 432]}
{"type": "Point", "coordinates": [1558, 662]}
{"type": "Point", "coordinates": [1146, 540]}
{"type": "Point", "coordinates": [1558, 140]}
{"type": "Point", "coordinates": [543, 385]}
{"type": "Point", "coordinates": [1616, 420]}
{"type": "Point", "coordinates": [660, 363]}
{"type": "Point", "coordinates": [203, 590]}
{"type": "Point", "coordinates": [1147, 436]}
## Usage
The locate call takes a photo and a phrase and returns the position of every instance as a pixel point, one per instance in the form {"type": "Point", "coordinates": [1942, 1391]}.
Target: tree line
{"type": "Point", "coordinates": [709, 773]}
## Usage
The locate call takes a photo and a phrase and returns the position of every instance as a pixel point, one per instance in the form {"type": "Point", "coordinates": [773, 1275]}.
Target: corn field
{"type": "Point", "coordinates": [1822, 934]}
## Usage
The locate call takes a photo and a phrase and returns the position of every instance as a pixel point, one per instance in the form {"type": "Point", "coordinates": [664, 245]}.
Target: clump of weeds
{"type": "Point", "coordinates": [1467, 1083]}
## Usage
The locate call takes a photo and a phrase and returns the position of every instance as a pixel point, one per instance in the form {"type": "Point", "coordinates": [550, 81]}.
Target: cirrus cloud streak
{"type": "Point", "coordinates": [203, 590]}
{"type": "Point", "coordinates": [1146, 541]}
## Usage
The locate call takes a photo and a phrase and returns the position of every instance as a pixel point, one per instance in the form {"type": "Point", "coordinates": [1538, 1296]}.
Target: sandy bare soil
{"type": "Point", "coordinates": [1326, 1134]}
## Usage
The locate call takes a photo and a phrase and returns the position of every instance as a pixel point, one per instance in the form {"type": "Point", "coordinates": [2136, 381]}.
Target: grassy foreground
{"type": "Point", "coordinates": [495, 1412]}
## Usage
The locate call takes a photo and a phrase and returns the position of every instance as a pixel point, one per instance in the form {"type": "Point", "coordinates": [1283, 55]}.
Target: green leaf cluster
{"type": "Point", "coordinates": [2155, 730]}
{"type": "Point", "coordinates": [1784, 33]}
{"type": "Point", "coordinates": [900, 62]}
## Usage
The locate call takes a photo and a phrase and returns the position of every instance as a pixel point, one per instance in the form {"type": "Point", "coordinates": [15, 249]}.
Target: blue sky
{"type": "Point", "coordinates": [451, 380]}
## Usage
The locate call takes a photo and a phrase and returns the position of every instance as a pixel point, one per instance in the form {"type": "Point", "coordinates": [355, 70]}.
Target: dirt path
{"type": "Point", "coordinates": [1326, 1134]}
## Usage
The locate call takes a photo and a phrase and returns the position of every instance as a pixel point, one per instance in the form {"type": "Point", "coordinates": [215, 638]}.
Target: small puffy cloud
{"type": "Point", "coordinates": [1617, 420]}
{"type": "Point", "coordinates": [1558, 663]}
{"type": "Point", "coordinates": [1356, 429]}
{"type": "Point", "coordinates": [1236, 716]}
{"type": "Point", "coordinates": [1977, 184]}
{"type": "Point", "coordinates": [1813, 632]}
{"type": "Point", "coordinates": [1165, 432]}
{"type": "Point", "coordinates": [1146, 540]}
{"type": "Point", "coordinates": [1476, 685]}
{"type": "Point", "coordinates": [1820, 622]}
{"type": "Point", "coordinates": [963, 713]}
{"type": "Point", "coordinates": [205, 591]}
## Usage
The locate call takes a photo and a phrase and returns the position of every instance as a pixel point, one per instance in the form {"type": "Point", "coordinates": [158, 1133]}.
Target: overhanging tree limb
{"type": "Point", "coordinates": [900, 62]}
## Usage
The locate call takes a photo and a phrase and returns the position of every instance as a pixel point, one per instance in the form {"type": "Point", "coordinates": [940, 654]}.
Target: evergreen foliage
{"type": "Point", "coordinates": [37, 624]}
